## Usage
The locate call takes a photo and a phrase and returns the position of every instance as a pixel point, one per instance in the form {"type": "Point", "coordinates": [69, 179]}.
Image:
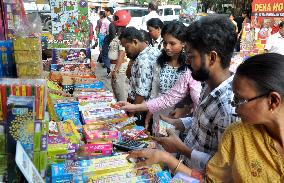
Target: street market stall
{"type": "Point", "coordinates": [58, 122]}
{"type": "Point", "coordinates": [266, 16]}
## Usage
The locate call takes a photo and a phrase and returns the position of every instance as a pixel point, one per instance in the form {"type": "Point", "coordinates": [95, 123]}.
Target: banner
{"type": "Point", "coordinates": [70, 24]}
{"type": "Point", "coordinates": [264, 8]}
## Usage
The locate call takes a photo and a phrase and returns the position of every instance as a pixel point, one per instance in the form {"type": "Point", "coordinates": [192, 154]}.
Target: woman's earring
{"type": "Point", "coordinates": [183, 49]}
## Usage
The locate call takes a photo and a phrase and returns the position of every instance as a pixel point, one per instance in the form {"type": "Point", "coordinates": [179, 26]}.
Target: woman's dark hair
{"type": "Point", "coordinates": [155, 22]}
{"type": "Point", "coordinates": [213, 33]}
{"type": "Point", "coordinates": [103, 14]}
{"type": "Point", "coordinates": [175, 29]}
{"type": "Point", "coordinates": [266, 71]}
{"type": "Point", "coordinates": [110, 9]}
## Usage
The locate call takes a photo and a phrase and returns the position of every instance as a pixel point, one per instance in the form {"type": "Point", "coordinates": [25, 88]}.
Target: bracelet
{"type": "Point", "coordinates": [174, 172]}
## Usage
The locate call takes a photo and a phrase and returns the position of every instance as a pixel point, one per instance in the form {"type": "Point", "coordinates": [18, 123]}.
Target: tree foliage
{"type": "Point", "coordinates": [207, 4]}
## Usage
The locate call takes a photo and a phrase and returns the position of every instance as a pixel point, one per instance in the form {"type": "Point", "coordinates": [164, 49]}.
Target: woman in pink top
{"type": "Point", "coordinates": [184, 85]}
{"type": "Point", "coordinates": [102, 28]}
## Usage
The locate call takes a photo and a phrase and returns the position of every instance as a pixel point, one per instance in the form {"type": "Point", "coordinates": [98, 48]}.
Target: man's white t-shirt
{"type": "Point", "coordinates": [151, 14]}
{"type": "Point", "coordinates": [275, 44]}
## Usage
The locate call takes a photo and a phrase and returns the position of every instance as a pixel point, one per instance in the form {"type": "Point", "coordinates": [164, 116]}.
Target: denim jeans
{"type": "Point", "coordinates": [105, 58]}
{"type": "Point", "coordinates": [101, 38]}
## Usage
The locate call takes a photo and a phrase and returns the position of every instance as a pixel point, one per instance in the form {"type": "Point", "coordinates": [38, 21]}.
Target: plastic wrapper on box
{"type": "Point", "coordinates": [13, 16]}
{"type": "Point", "coordinates": [7, 63]}
{"type": "Point", "coordinates": [3, 138]}
{"type": "Point", "coordinates": [94, 132]}
{"type": "Point", "coordinates": [28, 57]}
{"type": "Point", "coordinates": [71, 169]}
{"type": "Point", "coordinates": [23, 87]}
{"type": "Point", "coordinates": [135, 133]}
{"type": "Point", "coordinates": [28, 44]}
{"type": "Point", "coordinates": [69, 111]}
{"type": "Point", "coordinates": [21, 122]}
{"type": "Point", "coordinates": [99, 148]}
{"type": "Point", "coordinates": [68, 130]}
{"type": "Point", "coordinates": [29, 70]}
{"type": "Point", "coordinates": [163, 126]}
{"type": "Point", "coordinates": [61, 149]}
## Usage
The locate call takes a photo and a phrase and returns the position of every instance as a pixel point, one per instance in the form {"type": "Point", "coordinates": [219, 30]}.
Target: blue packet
{"type": "Point", "coordinates": [67, 111]}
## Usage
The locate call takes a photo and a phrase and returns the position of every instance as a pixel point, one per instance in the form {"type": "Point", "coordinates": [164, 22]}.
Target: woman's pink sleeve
{"type": "Point", "coordinates": [181, 88]}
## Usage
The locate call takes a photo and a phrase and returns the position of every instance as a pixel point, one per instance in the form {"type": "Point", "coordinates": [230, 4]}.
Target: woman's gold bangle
{"type": "Point", "coordinates": [177, 166]}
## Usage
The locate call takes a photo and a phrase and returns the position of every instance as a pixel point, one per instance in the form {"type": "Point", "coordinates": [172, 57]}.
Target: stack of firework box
{"type": "Point", "coordinates": [28, 57]}
{"type": "Point", "coordinates": [106, 169]}
{"type": "Point", "coordinates": [81, 141]}
{"type": "Point", "coordinates": [22, 109]}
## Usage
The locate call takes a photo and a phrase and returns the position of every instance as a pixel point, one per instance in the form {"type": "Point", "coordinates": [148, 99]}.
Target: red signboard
{"type": "Point", "coordinates": [265, 8]}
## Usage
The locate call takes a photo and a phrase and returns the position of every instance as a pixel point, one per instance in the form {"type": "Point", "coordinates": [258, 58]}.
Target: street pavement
{"type": "Point", "coordinates": [101, 72]}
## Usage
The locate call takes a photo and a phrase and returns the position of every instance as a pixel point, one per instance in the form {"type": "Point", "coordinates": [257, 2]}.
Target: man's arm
{"type": "Point", "coordinates": [173, 144]}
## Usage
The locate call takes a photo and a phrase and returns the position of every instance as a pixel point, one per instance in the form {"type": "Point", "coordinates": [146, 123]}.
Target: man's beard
{"type": "Point", "coordinates": [202, 74]}
{"type": "Point", "coordinates": [132, 57]}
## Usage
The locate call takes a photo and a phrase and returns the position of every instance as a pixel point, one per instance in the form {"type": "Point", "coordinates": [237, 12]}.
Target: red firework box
{"type": "Point", "coordinates": [97, 132]}
{"type": "Point", "coordinates": [100, 148]}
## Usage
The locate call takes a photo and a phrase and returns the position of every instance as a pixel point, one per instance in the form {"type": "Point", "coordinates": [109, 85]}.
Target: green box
{"type": "Point", "coordinates": [36, 160]}
{"type": "Point", "coordinates": [43, 163]}
{"type": "Point", "coordinates": [3, 140]}
{"type": "Point", "coordinates": [37, 136]}
{"type": "Point", "coordinates": [3, 164]}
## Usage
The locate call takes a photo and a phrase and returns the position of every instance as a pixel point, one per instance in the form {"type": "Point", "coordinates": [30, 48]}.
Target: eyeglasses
{"type": "Point", "coordinates": [239, 101]}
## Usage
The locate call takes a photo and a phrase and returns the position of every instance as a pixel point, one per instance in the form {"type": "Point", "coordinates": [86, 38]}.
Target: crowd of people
{"type": "Point", "coordinates": [231, 124]}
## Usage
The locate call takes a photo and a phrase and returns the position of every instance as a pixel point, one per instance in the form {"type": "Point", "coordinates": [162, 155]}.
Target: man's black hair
{"type": "Point", "coordinates": [110, 9]}
{"type": "Point", "coordinates": [153, 6]}
{"type": "Point", "coordinates": [131, 33]}
{"type": "Point", "coordinates": [266, 71]}
{"type": "Point", "coordinates": [146, 37]}
{"type": "Point", "coordinates": [213, 33]}
{"type": "Point", "coordinates": [155, 22]}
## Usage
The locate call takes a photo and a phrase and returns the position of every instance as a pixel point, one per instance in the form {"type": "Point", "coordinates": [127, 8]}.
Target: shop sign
{"type": "Point", "coordinates": [264, 8]}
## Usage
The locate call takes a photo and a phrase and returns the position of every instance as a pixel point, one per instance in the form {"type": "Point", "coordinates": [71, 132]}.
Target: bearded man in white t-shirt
{"type": "Point", "coordinates": [275, 42]}
{"type": "Point", "coordinates": [152, 8]}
